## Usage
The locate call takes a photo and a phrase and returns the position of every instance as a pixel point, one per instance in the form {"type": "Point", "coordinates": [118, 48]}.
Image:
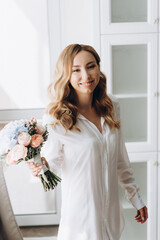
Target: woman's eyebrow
{"type": "Point", "coordinates": [76, 66]}
{"type": "Point", "coordinates": [91, 62]}
{"type": "Point", "coordinates": [86, 64]}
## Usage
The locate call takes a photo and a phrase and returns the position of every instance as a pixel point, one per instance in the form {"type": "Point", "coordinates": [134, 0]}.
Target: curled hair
{"type": "Point", "coordinates": [63, 107]}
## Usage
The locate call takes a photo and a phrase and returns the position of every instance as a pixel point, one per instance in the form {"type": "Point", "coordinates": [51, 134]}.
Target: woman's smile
{"type": "Point", "coordinates": [86, 84]}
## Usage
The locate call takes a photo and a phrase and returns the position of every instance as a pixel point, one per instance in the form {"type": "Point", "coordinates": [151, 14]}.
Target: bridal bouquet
{"type": "Point", "coordinates": [22, 141]}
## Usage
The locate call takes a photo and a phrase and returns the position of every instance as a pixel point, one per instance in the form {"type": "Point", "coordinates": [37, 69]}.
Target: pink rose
{"type": "Point", "coordinates": [24, 138]}
{"type": "Point", "coordinates": [40, 129]}
{"type": "Point", "coordinates": [17, 152]}
{"type": "Point", "coordinates": [36, 140]}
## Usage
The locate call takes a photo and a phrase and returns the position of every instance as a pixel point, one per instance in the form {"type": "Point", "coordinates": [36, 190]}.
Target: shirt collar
{"type": "Point", "coordinates": [80, 116]}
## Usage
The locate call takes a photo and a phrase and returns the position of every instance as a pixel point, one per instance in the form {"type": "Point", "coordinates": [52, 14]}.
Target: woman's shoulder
{"type": "Point", "coordinates": [47, 119]}
{"type": "Point", "coordinates": [52, 125]}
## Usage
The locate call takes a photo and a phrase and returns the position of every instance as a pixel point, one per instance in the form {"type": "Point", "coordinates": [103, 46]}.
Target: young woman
{"type": "Point", "coordinates": [86, 144]}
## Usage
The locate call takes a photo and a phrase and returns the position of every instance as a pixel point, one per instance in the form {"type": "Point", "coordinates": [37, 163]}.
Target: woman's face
{"type": "Point", "coordinates": [85, 73]}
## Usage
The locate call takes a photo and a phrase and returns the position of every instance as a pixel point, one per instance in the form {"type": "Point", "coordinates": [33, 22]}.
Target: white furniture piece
{"type": "Point", "coordinates": [129, 43]}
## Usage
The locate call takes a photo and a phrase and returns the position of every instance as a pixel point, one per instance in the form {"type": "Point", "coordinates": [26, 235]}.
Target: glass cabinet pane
{"type": "Point", "coordinates": [129, 69]}
{"type": "Point", "coordinates": [134, 119]}
{"type": "Point", "coordinates": [128, 11]}
{"type": "Point", "coordinates": [134, 230]}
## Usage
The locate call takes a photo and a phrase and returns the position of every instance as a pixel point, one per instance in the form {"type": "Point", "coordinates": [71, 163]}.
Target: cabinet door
{"type": "Point", "coordinates": [130, 64]}
{"type": "Point", "coordinates": [158, 199]}
{"type": "Point", "coordinates": [158, 96]}
{"type": "Point", "coordinates": [128, 16]}
{"type": "Point", "coordinates": [145, 172]}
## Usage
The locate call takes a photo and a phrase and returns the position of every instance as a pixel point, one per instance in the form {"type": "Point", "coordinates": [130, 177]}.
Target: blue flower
{"type": "Point", "coordinates": [11, 131]}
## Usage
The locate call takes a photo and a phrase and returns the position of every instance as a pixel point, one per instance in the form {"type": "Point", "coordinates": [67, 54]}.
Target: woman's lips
{"type": "Point", "coordinates": [88, 83]}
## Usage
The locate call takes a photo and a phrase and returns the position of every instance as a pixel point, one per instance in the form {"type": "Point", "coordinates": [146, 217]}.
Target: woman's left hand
{"type": "Point", "coordinates": [142, 215]}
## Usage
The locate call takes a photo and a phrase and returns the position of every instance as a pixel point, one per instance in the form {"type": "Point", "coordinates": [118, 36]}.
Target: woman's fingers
{"type": "Point", "coordinates": [142, 215]}
{"type": "Point", "coordinates": [36, 172]}
{"type": "Point", "coordinates": [137, 214]}
{"type": "Point", "coordinates": [35, 168]}
{"type": "Point", "coordinates": [44, 162]}
{"type": "Point", "coordinates": [145, 214]}
{"type": "Point", "coordinates": [33, 165]}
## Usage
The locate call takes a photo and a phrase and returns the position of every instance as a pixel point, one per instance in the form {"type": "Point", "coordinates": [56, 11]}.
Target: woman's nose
{"type": "Point", "coordinates": [85, 75]}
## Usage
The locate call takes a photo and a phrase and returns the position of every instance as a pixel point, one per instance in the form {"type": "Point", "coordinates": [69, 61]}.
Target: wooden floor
{"type": "Point", "coordinates": [41, 232]}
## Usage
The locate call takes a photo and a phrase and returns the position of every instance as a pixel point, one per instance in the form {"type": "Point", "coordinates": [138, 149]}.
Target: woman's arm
{"type": "Point", "coordinates": [127, 181]}
{"type": "Point", "coordinates": [125, 173]}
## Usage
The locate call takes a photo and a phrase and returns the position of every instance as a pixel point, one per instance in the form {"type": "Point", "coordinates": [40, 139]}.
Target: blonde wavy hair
{"type": "Point", "coordinates": [63, 107]}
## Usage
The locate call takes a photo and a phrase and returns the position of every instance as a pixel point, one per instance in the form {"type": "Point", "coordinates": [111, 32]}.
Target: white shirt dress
{"type": "Point", "coordinates": [91, 165]}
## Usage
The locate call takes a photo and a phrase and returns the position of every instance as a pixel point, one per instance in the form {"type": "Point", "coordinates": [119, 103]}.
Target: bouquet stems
{"type": "Point", "coordinates": [49, 180]}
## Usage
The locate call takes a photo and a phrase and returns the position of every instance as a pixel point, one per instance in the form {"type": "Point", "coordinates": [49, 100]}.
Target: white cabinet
{"type": "Point", "coordinates": [129, 40]}
{"type": "Point", "coordinates": [158, 208]}
{"type": "Point", "coordinates": [158, 94]}
{"type": "Point", "coordinates": [144, 166]}
{"type": "Point", "coordinates": [130, 64]}
{"type": "Point", "coordinates": [159, 152]}
{"type": "Point", "coordinates": [128, 16]}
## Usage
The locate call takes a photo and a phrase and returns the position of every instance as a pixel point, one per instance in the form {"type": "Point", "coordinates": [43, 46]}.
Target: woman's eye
{"type": "Point", "coordinates": [76, 70]}
{"type": "Point", "coordinates": [91, 66]}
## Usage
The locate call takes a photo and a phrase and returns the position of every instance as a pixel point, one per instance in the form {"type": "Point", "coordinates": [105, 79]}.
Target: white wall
{"type": "Point", "coordinates": [24, 58]}
{"type": "Point", "coordinates": [72, 21]}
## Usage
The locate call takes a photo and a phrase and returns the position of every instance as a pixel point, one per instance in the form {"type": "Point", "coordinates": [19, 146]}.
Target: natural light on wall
{"type": "Point", "coordinates": [25, 54]}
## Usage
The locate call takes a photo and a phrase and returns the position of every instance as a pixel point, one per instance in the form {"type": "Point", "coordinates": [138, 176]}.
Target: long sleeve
{"type": "Point", "coordinates": [125, 176]}
{"type": "Point", "coordinates": [125, 173]}
{"type": "Point", "coordinates": [53, 148]}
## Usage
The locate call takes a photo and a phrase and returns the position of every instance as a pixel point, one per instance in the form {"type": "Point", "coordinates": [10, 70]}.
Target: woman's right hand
{"type": "Point", "coordinates": [37, 167]}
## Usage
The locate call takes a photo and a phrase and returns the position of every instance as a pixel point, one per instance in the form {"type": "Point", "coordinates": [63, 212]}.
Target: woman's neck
{"type": "Point", "coordinates": [84, 103]}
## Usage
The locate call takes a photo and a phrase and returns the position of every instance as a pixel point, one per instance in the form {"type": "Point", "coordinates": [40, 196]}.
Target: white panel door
{"type": "Point", "coordinates": [145, 172]}
{"type": "Point", "coordinates": [128, 16]}
{"type": "Point", "coordinates": [158, 199]}
{"type": "Point", "coordinates": [158, 95]}
{"type": "Point", "coordinates": [130, 64]}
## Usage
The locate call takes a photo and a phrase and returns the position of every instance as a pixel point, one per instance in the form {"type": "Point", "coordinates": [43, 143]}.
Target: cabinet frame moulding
{"type": "Point", "coordinates": [150, 40]}
{"type": "Point", "coordinates": [152, 189]}
{"type": "Point", "coordinates": [150, 26]}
